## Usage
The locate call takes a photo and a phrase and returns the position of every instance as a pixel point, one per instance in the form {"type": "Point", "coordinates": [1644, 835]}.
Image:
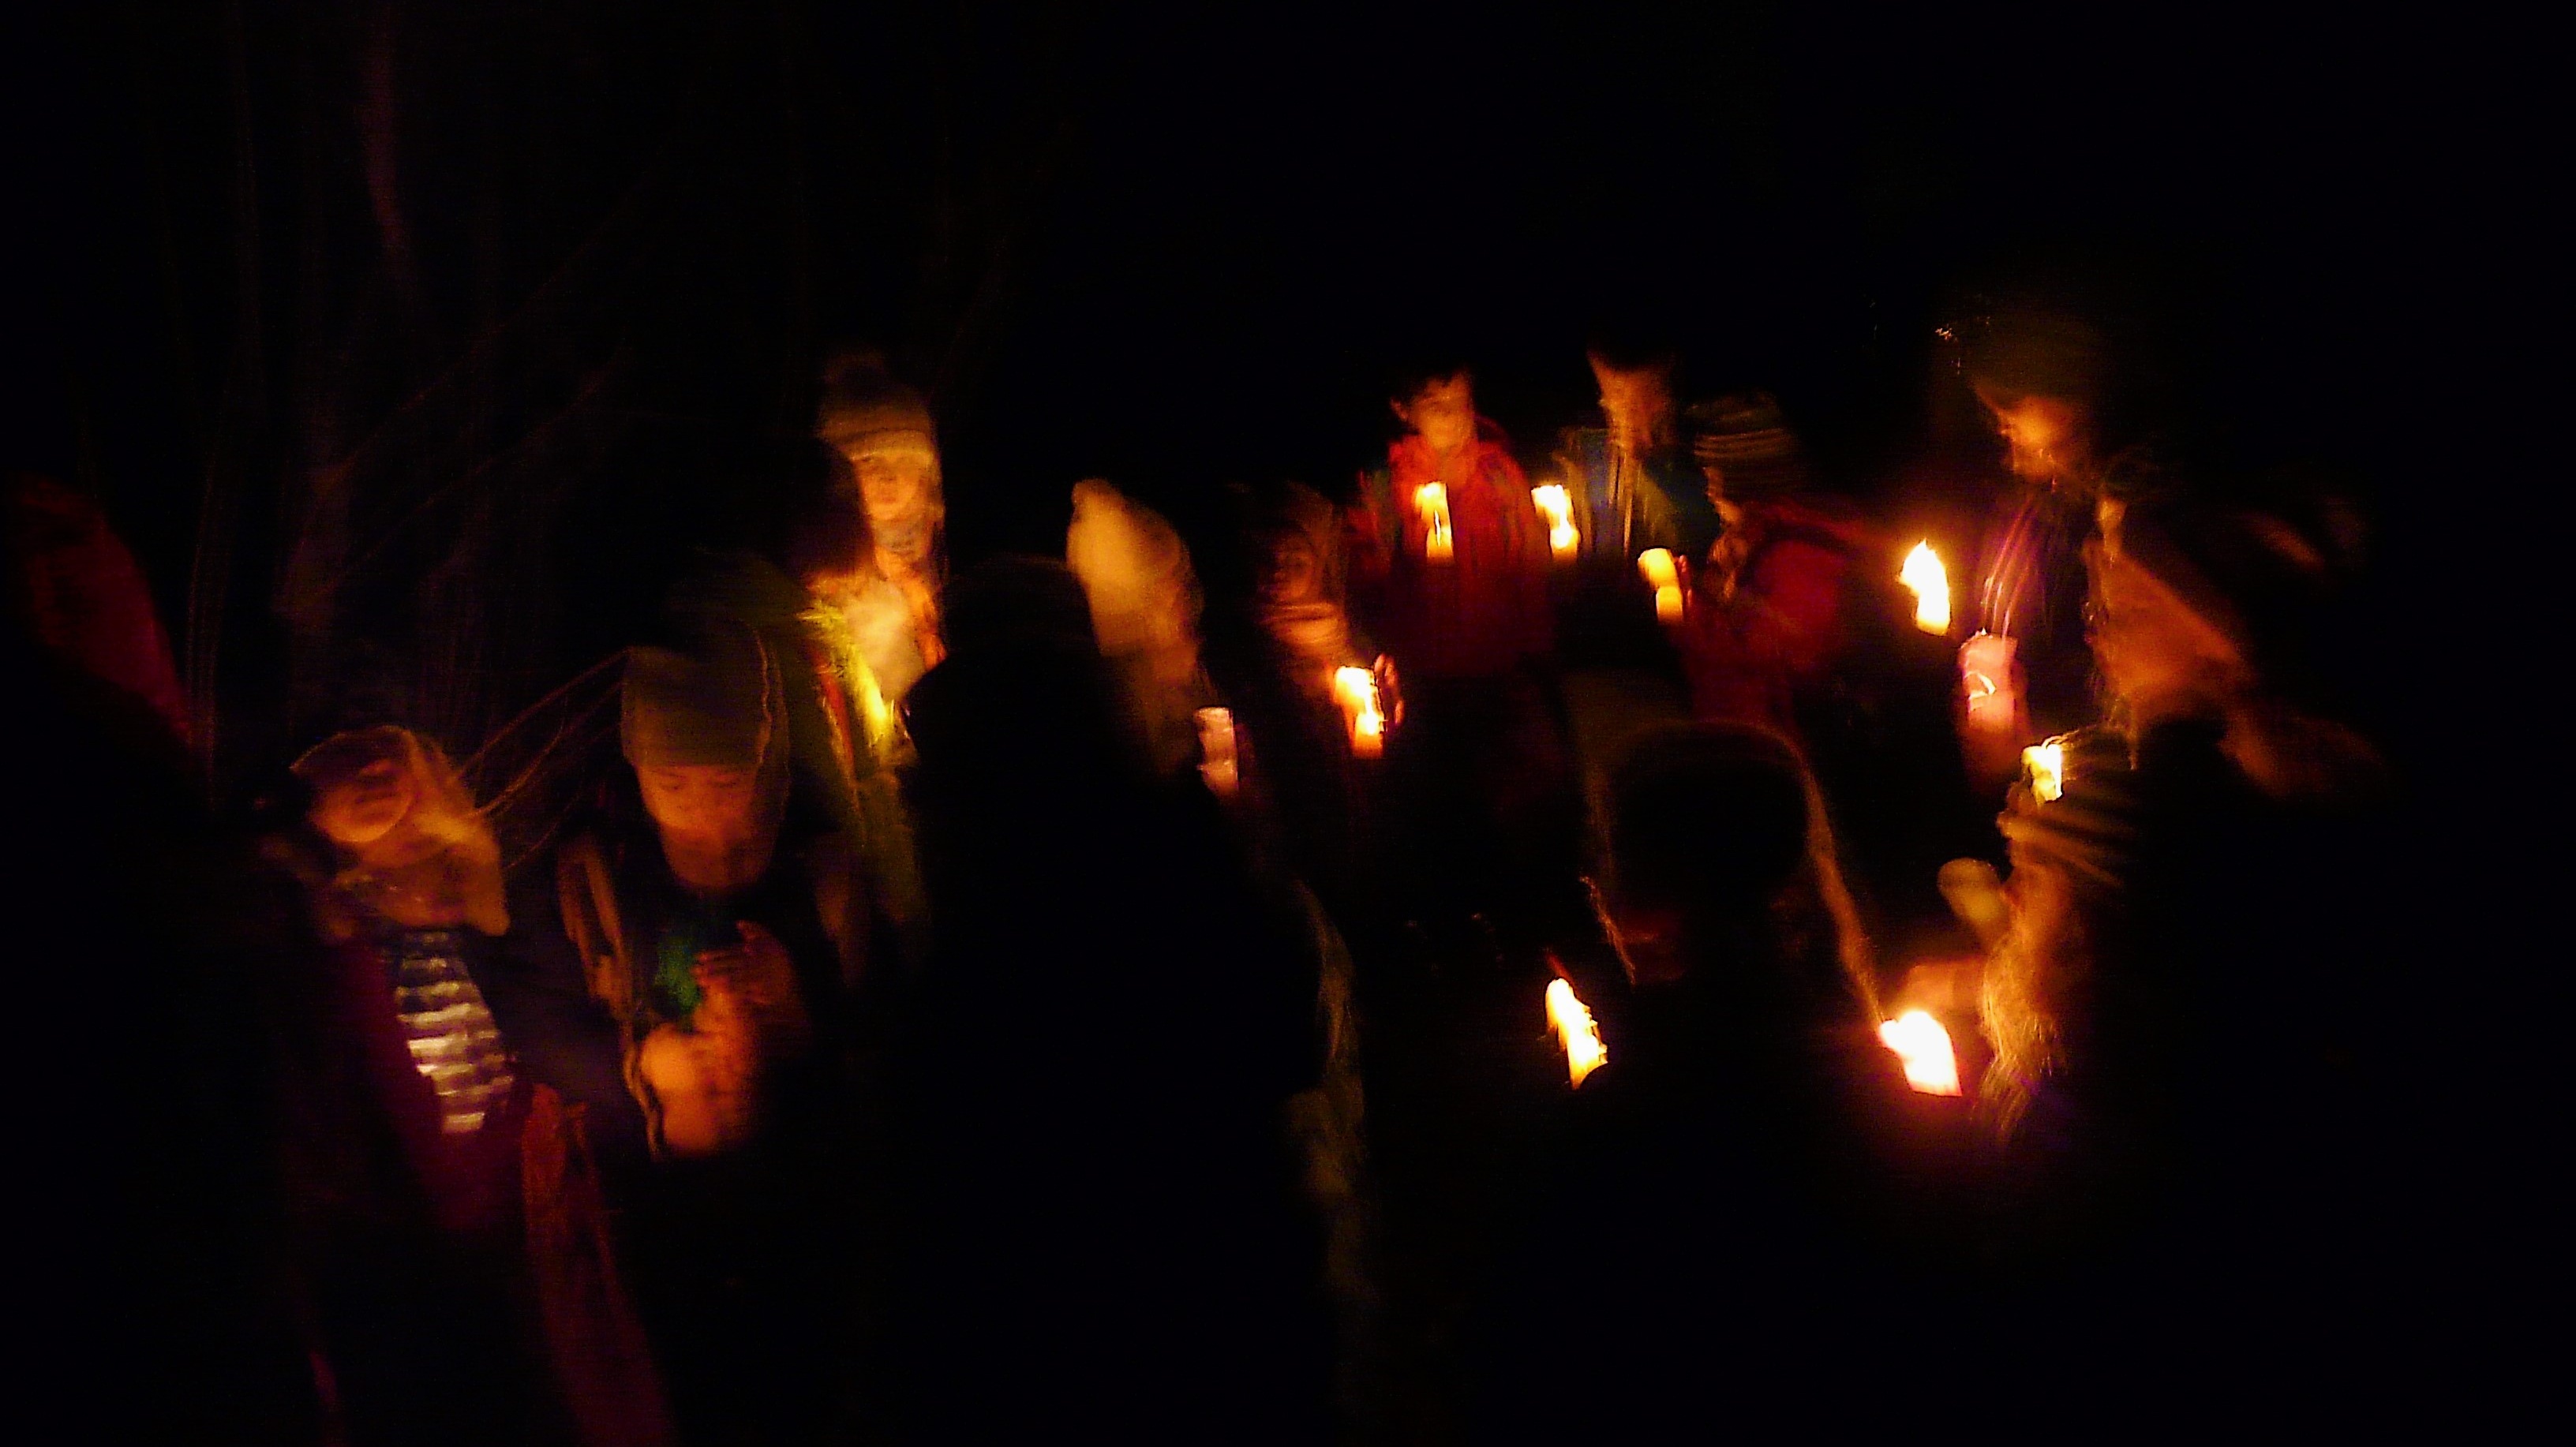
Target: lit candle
{"type": "Point", "coordinates": [1572, 1023]}
{"type": "Point", "coordinates": [1217, 762]}
{"type": "Point", "coordinates": [1663, 575]}
{"type": "Point", "coordinates": [1986, 672]}
{"type": "Point", "coordinates": [1931, 584]}
{"type": "Point", "coordinates": [1557, 507]}
{"type": "Point", "coordinates": [2047, 765]}
{"type": "Point", "coordinates": [1432, 501]}
{"type": "Point", "coordinates": [1656, 564]}
{"type": "Point", "coordinates": [1924, 1048]}
{"type": "Point", "coordinates": [1355, 689]}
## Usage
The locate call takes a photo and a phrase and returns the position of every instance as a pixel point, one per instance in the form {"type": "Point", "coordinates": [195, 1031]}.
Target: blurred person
{"type": "Point", "coordinates": [1747, 1177]}
{"type": "Point", "coordinates": [2190, 1006]}
{"type": "Point", "coordinates": [725, 939]}
{"type": "Point", "coordinates": [1470, 603]}
{"type": "Point", "coordinates": [1144, 597]}
{"type": "Point", "coordinates": [885, 432]}
{"type": "Point", "coordinates": [486, 1088]}
{"type": "Point", "coordinates": [80, 595]}
{"type": "Point", "coordinates": [840, 635]}
{"type": "Point", "coordinates": [1776, 615]}
{"type": "Point", "coordinates": [2069, 408]}
{"type": "Point", "coordinates": [1637, 487]}
{"type": "Point", "coordinates": [1455, 583]}
{"type": "Point", "coordinates": [165, 972]}
{"type": "Point", "coordinates": [1114, 1018]}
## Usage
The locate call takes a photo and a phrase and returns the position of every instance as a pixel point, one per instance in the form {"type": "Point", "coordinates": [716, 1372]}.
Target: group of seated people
{"type": "Point", "coordinates": [949, 1016]}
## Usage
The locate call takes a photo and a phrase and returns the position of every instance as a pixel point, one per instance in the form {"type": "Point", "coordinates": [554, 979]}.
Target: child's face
{"type": "Point", "coordinates": [1442, 414]}
{"type": "Point", "coordinates": [703, 801]}
{"type": "Point", "coordinates": [364, 807]}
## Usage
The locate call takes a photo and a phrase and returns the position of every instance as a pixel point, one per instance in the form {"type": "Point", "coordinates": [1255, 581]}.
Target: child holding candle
{"type": "Point", "coordinates": [1479, 764]}
{"type": "Point", "coordinates": [1452, 550]}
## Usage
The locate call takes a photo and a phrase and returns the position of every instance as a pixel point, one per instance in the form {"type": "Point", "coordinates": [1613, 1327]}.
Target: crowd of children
{"type": "Point", "coordinates": [1066, 997]}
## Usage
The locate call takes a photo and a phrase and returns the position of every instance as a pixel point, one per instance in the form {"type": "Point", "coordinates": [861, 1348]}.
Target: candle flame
{"type": "Point", "coordinates": [1657, 566]}
{"type": "Point", "coordinates": [1931, 584]}
{"type": "Point", "coordinates": [1572, 1023]}
{"type": "Point", "coordinates": [1557, 506]}
{"type": "Point", "coordinates": [1924, 1047]}
{"type": "Point", "coordinates": [1432, 501]}
{"type": "Point", "coordinates": [2047, 765]}
{"type": "Point", "coordinates": [1355, 689]}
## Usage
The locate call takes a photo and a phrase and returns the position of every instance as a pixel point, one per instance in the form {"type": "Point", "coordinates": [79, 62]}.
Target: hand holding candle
{"type": "Point", "coordinates": [1993, 694]}
{"type": "Point", "coordinates": [1663, 575]}
{"type": "Point", "coordinates": [1431, 500]}
{"type": "Point", "coordinates": [1557, 507]}
{"type": "Point", "coordinates": [1355, 689]}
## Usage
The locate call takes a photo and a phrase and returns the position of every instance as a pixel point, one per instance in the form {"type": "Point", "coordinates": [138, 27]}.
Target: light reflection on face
{"type": "Point", "coordinates": [2043, 436]}
{"type": "Point", "coordinates": [715, 802]}
{"type": "Point", "coordinates": [1443, 413]}
{"type": "Point", "coordinates": [1638, 406]}
{"type": "Point", "coordinates": [365, 807]}
{"type": "Point", "coordinates": [893, 480]}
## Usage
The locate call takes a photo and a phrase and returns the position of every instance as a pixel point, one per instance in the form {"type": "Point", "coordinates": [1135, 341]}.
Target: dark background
{"type": "Point", "coordinates": [433, 336]}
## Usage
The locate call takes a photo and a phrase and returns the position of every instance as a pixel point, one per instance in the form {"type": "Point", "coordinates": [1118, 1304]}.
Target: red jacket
{"type": "Point", "coordinates": [1481, 611]}
{"type": "Point", "coordinates": [1751, 650]}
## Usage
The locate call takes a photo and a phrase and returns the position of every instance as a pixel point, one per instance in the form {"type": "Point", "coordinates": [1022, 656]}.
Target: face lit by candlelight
{"type": "Point", "coordinates": [894, 475]}
{"type": "Point", "coordinates": [2046, 439]}
{"type": "Point", "coordinates": [1637, 403]}
{"type": "Point", "coordinates": [364, 807]}
{"type": "Point", "coordinates": [712, 803]}
{"type": "Point", "coordinates": [1442, 413]}
{"type": "Point", "coordinates": [1294, 574]}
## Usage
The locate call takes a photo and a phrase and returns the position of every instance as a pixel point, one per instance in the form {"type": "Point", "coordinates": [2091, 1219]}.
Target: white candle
{"type": "Point", "coordinates": [1431, 500]}
{"type": "Point", "coordinates": [1555, 505]}
{"type": "Point", "coordinates": [1931, 584]}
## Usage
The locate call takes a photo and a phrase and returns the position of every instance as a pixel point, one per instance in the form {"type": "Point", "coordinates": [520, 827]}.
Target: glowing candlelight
{"type": "Point", "coordinates": [1356, 690]}
{"type": "Point", "coordinates": [1663, 575]}
{"type": "Point", "coordinates": [1931, 584]}
{"type": "Point", "coordinates": [1432, 501]}
{"type": "Point", "coordinates": [2047, 765]}
{"type": "Point", "coordinates": [1217, 762]}
{"type": "Point", "coordinates": [1924, 1047]}
{"type": "Point", "coordinates": [1572, 1024]}
{"type": "Point", "coordinates": [1656, 564]}
{"type": "Point", "coordinates": [1986, 671]}
{"type": "Point", "coordinates": [1557, 507]}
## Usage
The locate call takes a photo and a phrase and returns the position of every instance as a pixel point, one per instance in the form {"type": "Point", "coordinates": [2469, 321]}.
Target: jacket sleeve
{"type": "Point", "coordinates": [560, 1036]}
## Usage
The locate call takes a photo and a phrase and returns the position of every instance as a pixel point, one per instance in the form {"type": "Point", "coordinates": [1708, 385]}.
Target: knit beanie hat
{"type": "Point", "coordinates": [1744, 437]}
{"type": "Point", "coordinates": [865, 409]}
{"type": "Point", "coordinates": [720, 707]}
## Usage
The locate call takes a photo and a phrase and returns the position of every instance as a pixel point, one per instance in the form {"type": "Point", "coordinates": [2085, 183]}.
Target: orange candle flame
{"type": "Point", "coordinates": [1931, 584]}
{"type": "Point", "coordinates": [2047, 765]}
{"type": "Point", "coordinates": [1924, 1047]}
{"type": "Point", "coordinates": [1657, 566]}
{"type": "Point", "coordinates": [1355, 689]}
{"type": "Point", "coordinates": [1557, 506]}
{"type": "Point", "coordinates": [1432, 501]}
{"type": "Point", "coordinates": [1572, 1024]}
